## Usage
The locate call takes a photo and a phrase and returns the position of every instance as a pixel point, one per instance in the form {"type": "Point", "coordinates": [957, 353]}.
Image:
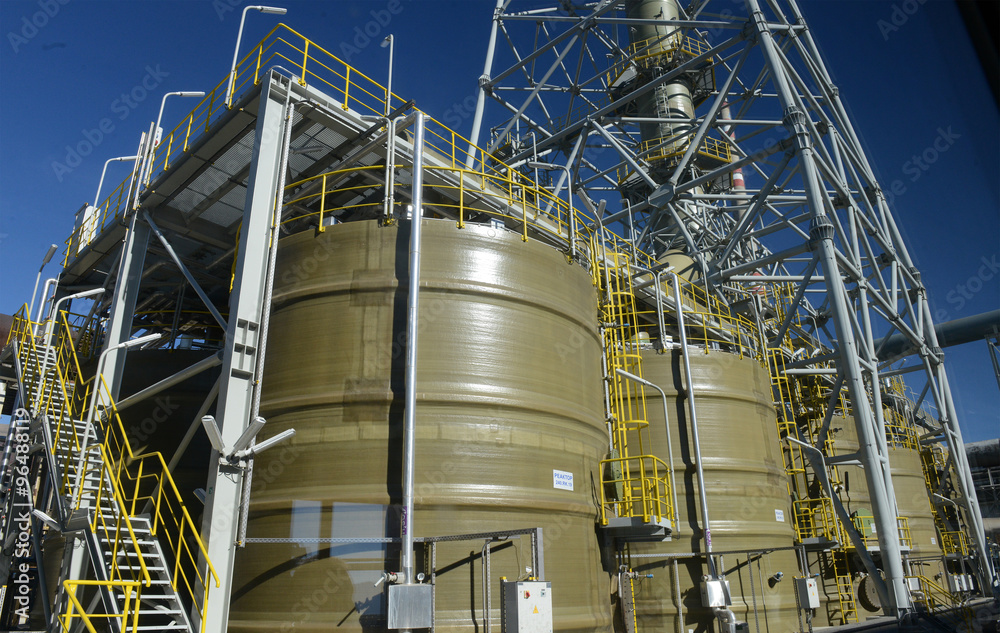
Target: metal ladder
{"type": "Point", "coordinates": [132, 573]}
{"type": "Point", "coordinates": [845, 588]}
{"type": "Point", "coordinates": [639, 478]}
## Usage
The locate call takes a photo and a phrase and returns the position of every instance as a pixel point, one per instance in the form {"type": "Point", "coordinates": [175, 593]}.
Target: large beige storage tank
{"type": "Point", "coordinates": [509, 389]}
{"type": "Point", "coordinates": [747, 495]}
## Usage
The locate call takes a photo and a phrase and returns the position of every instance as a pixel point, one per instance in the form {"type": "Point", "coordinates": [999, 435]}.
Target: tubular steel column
{"type": "Point", "coordinates": [223, 490]}
{"type": "Point", "coordinates": [119, 328]}
{"type": "Point", "coordinates": [821, 241]}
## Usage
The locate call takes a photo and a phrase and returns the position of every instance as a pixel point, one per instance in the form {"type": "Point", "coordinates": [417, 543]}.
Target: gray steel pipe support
{"type": "Point", "coordinates": [412, 331]}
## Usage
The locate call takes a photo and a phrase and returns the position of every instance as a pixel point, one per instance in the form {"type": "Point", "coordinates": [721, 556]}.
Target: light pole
{"type": "Point", "coordinates": [100, 364]}
{"type": "Point", "coordinates": [38, 278]}
{"type": "Point", "coordinates": [55, 312]}
{"type": "Point", "coordinates": [239, 36]}
{"type": "Point", "coordinates": [95, 390]}
{"type": "Point", "coordinates": [388, 41]}
{"type": "Point", "coordinates": [100, 183]}
{"type": "Point", "coordinates": [569, 199]}
{"type": "Point", "coordinates": [163, 102]}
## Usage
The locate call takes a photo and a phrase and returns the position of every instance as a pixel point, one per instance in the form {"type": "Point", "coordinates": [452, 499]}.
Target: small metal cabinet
{"type": "Point", "coordinates": [527, 607]}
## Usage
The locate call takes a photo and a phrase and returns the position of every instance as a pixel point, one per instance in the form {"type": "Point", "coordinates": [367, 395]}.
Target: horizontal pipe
{"type": "Point", "coordinates": [955, 332]}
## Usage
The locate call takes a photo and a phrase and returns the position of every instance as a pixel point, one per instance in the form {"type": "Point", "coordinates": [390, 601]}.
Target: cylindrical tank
{"type": "Point", "coordinates": [746, 489]}
{"type": "Point", "coordinates": [508, 391]}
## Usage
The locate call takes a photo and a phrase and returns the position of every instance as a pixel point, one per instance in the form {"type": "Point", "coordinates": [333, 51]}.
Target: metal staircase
{"type": "Point", "coordinates": [102, 494]}
{"type": "Point", "coordinates": [635, 490]}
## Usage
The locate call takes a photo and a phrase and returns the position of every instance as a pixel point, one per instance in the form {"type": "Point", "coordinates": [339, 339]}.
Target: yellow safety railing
{"type": "Point", "coordinates": [509, 195]}
{"type": "Point", "coordinates": [313, 65]}
{"type": "Point", "coordinates": [655, 51]}
{"type": "Point", "coordinates": [865, 525]}
{"type": "Point", "coordinates": [119, 474]}
{"type": "Point", "coordinates": [955, 543]}
{"type": "Point", "coordinates": [900, 430]}
{"type": "Point", "coordinates": [666, 149]}
{"type": "Point", "coordinates": [144, 484]}
{"type": "Point", "coordinates": [709, 324]}
{"type": "Point", "coordinates": [815, 518]}
{"type": "Point", "coordinates": [635, 483]}
{"type": "Point", "coordinates": [934, 597]}
{"type": "Point", "coordinates": [128, 618]}
{"type": "Point", "coordinates": [845, 586]}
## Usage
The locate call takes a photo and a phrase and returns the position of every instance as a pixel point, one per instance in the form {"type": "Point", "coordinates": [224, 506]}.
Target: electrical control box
{"type": "Point", "coordinates": [715, 593]}
{"type": "Point", "coordinates": [527, 607]}
{"type": "Point", "coordinates": [957, 583]}
{"type": "Point", "coordinates": [808, 591]}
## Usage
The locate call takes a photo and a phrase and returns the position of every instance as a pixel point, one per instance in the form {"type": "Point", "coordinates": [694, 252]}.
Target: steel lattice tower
{"type": "Point", "coordinates": [716, 131]}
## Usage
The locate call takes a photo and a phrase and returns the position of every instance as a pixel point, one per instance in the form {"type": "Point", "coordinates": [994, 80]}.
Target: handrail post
{"type": "Point", "coordinates": [256, 71]}
{"type": "Point", "coordinates": [322, 205]}
{"type": "Point", "coordinates": [305, 58]}
{"type": "Point", "coordinates": [187, 136]}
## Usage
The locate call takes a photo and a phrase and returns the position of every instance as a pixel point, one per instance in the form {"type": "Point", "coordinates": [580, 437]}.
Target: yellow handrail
{"type": "Point", "coordinates": [122, 475]}
{"type": "Point", "coordinates": [132, 592]}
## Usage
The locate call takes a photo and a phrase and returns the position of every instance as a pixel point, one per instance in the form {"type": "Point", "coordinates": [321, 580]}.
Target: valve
{"type": "Point", "coordinates": [389, 576]}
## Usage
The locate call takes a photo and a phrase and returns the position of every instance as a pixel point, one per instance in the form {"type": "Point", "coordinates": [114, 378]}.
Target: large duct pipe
{"type": "Point", "coordinates": [955, 332]}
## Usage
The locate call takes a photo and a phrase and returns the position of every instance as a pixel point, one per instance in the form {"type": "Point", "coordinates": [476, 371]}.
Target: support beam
{"type": "Point", "coordinates": [223, 489]}
{"type": "Point", "coordinates": [822, 243]}
{"type": "Point", "coordinates": [204, 364]}
{"type": "Point", "coordinates": [184, 271]}
{"type": "Point", "coordinates": [119, 327]}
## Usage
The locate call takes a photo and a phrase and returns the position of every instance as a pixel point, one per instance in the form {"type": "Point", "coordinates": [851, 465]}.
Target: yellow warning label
{"type": "Point", "coordinates": [535, 611]}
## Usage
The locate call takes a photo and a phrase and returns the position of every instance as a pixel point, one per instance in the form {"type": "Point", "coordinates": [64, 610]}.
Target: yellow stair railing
{"type": "Point", "coordinates": [934, 597]}
{"type": "Point", "coordinates": [123, 478]}
{"type": "Point", "coordinates": [934, 462]}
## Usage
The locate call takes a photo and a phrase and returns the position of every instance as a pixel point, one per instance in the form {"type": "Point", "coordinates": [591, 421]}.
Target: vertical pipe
{"type": "Point", "coordinates": [413, 303]}
{"type": "Point", "coordinates": [390, 170]}
{"type": "Point", "coordinates": [694, 426]}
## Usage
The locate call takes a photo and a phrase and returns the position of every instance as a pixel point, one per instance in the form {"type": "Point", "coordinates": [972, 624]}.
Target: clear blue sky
{"type": "Point", "coordinates": [908, 80]}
